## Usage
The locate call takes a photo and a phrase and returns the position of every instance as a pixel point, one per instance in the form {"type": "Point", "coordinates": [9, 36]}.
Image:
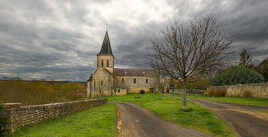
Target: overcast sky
{"type": "Point", "coordinates": [59, 39]}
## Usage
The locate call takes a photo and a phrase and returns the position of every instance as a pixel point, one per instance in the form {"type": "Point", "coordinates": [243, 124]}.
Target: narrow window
{"type": "Point", "coordinates": [122, 80]}
{"type": "Point", "coordinates": [108, 63]}
{"type": "Point", "coordinates": [146, 81]}
{"type": "Point", "coordinates": [134, 81]}
{"type": "Point", "coordinates": [101, 63]}
{"type": "Point", "coordinates": [101, 83]}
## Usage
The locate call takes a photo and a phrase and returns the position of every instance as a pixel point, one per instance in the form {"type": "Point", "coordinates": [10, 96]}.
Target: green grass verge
{"type": "Point", "coordinates": [237, 100]}
{"type": "Point", "coordinates": [169, 109]}
{"type": "Point", "coordinates": [95, 122]}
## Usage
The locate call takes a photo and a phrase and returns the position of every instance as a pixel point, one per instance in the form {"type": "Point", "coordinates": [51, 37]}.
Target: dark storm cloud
{"type": "Point", "coordinates": [244, 21]}
{"type": "Point", "coordinates": [134, 47]}
{"type": "Point", "coordinates": [60, 39]}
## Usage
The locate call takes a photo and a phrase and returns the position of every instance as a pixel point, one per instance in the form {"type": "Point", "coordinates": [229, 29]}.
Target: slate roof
{"type": "Point", "coordinates": [106, 46]}
{"type": "Point", "coordinates": [134, 72]}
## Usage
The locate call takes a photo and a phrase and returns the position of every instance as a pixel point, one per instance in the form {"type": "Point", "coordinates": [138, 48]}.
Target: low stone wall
{"type": "Point", "coordinates": [14, 115]}
{"type": "Point", "coordinates": [258, 90]}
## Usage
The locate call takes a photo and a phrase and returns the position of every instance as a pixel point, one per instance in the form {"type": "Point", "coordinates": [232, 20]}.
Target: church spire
{"type": "Point", "coordinates": [106, 46]}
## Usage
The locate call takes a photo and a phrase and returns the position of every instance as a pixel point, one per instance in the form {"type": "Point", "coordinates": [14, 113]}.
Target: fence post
{"type": "Point", "coordinates": [7, 119]}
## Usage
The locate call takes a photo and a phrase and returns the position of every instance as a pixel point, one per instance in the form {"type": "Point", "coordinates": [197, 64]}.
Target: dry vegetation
{"type": "Point", "coordinates": [39, 92]}
{"type": "Point", "coordinates": [216, 92]}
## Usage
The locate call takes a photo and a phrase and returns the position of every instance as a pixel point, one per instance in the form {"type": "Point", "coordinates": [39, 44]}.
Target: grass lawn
{"type": "Point", "coordinates": [95, 122]}
{"type": "Point", "coordinates": [169, 108]}
{"type": "Point", "coordinates": [238, 100]}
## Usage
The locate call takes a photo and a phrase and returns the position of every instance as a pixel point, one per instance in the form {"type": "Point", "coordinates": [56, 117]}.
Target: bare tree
{"type": "Point", "coordinates": [182, 51]}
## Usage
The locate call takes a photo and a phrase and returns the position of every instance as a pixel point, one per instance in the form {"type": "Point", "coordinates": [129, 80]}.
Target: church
{"type": "Point", "coordinates": [108, 80]}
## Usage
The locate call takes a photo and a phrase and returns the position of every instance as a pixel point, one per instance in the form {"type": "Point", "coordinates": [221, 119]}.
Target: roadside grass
{"type": "Point", "coordinates": [237, 100]}
{"type": "Point", "coordinates": [169, 109]}
{"type": "Point", "coordinates": [95, 122]}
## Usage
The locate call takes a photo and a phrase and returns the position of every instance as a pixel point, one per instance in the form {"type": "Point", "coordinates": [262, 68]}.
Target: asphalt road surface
{"type": "Point", "coordinates": [247, 121]}
{"type": "Point", "coordinates": [134, 121]}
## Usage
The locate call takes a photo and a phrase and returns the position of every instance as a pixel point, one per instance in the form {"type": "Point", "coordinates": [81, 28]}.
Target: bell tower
{"type": "Point", "coordinates": [105, 58]}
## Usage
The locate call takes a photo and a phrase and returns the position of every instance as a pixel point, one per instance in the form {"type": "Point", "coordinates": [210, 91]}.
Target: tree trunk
{"type": "Point", "coordinates": [162, 94]}
{"type": "Point", "coordinates": [184, 94]}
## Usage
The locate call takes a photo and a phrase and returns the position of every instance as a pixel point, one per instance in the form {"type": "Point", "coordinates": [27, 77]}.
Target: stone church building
{"type": "Point", "coordinates": [108, 80]}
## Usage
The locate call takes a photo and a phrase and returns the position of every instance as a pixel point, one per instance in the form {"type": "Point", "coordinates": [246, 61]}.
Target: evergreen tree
{"type": "Point", "coordinates": [263, 69]}
{"type": "Point", "coordinates": [237, 75]}
{"type": "Point", "coordinates": [245, 59]}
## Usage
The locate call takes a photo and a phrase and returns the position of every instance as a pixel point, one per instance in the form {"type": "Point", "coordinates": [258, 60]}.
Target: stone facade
{"type": "Point", "coordinates": [13, 115]}
{"type": "Point", "coordinates": [142, 83]}
{"type": "Point", "coordinates": [108, 80]}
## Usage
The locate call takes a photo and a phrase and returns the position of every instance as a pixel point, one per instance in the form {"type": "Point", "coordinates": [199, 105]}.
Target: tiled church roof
{"type": "Point", "coordinates": [106, 46]}
{"type": "Point", "coordinates": [134, 72]}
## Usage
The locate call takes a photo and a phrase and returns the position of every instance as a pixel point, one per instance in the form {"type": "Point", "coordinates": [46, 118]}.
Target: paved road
{"type": "Point", "coordinates": [247, 121]}
{"type": "Point", "coordinates": [134, 121]}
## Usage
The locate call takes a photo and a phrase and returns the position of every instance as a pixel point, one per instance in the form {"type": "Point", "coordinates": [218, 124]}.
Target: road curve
{"type": "Point", "coordinates": [247, 121]}
{"type": "Point", "coordinates": [134, 121]}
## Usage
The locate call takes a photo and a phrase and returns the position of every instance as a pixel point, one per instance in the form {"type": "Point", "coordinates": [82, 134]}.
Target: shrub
{"type": "Point", "coordinates": [197, 82]}
{"type": "Point", "coordinates": [215, 91]}
{"type": "Point", "coordinates": [142, 91]}
{"type": "Point", "coordinates": [263, 69]}
{"type": "Point", "coordinates": [237, 75]}
{"type": "Point", "coordinates": [247, 94]}
{"type": "Point", "coordinates": [186, 109]}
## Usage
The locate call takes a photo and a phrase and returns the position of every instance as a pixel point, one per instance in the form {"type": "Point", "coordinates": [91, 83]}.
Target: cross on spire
{"type": "Point", "coordinates": [106, 26]}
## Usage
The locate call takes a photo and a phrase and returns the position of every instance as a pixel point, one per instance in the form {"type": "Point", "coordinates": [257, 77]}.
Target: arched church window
{"type": "Point", "coordinates": [102, 63]}
{"type": "Point", "coordinates": [108, 63]}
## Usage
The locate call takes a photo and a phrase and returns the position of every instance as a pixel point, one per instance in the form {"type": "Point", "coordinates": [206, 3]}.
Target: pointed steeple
{"type": "Point", "coordinates": [106, 46]}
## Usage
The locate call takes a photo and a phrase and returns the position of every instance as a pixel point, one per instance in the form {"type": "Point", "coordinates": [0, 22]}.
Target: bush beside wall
{"type": "Point", "coordinates": [216, 91]}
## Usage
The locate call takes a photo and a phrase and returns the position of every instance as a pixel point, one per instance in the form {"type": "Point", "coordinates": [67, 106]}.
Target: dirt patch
{"type": "Point", "coordinates": [134, 121]}
{"type": "Point", "coordinates": [247, 121]}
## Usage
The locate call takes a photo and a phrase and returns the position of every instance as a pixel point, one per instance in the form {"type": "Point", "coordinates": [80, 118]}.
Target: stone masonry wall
{"type": "Point", "coordinates": [258, 90]}
{"type": "Point", "coordinates": [13, 115]}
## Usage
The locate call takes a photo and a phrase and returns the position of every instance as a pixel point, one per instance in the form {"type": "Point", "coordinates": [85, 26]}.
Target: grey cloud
{"type": "Point", "coordinates": [60, 39]}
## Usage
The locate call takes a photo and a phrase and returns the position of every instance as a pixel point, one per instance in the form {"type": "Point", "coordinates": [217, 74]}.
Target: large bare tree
{"type": "Point", "coordinates": [185, 50]}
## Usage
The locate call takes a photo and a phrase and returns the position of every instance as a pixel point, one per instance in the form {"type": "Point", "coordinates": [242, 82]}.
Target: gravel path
{"type": "Point", "coordinates": [247, 121]}
{"type": "Point", "coordinates": [134, 121]}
